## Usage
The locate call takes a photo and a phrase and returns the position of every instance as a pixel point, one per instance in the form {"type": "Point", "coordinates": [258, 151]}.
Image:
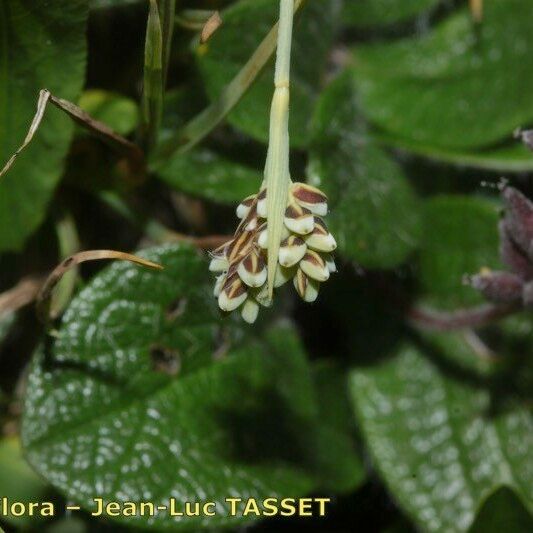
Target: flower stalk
{"type": "Point", "coordinates": [281, 235]}
{"type": "Point", "coordinates": [277, 175]}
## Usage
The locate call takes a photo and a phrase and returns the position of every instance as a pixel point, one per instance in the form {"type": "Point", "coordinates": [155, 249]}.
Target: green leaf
{"type": "Point", "coordinates": [41, 45]}
{"type": "Point", "coordinates": [19, 483]}
{"type": "Point", "coordinates": [441, 443]}
{"type": "Point", "coordinates": [456, 87]}
{"type": "Point", "coordinates": [507, 157]}
{"type": "Point", "coordinates": [460, 237]}
{"type": "Point", "coordinates": [205, 174]}
{"type": "Point", "coordinates": [503, 511]}
{"type": "Point", "coordinates": [139, 402]}
{"type": "Point", "coordinates": [370, 13]}
{"type": "Point", "coordinates": [245, 24]}
{"type": "Point", "coordinates": [117, 111]}
{"type": "Point", "coordinates": [374, 211]}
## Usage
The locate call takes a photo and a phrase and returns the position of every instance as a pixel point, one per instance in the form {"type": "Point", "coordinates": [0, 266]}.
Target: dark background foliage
{"type": "Point", "coordinates": [403, 112]}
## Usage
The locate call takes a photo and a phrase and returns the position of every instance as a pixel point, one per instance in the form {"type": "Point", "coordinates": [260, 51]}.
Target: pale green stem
{"type": "Point", "coordinates": [277, 175]}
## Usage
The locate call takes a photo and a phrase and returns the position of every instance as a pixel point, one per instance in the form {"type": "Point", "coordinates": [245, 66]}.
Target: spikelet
{"type": "Point", "coordinates": [304, 252]}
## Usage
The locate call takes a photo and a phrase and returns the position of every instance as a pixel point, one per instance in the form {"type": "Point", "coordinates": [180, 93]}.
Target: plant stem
{"type": "Point", "coordinates": [283, 56]}
{"type": "Point", "coordinates": [277, 176]}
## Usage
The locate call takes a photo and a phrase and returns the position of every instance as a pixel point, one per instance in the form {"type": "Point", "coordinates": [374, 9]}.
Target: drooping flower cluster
{"type": "Point", "coordinates": [304, 253]}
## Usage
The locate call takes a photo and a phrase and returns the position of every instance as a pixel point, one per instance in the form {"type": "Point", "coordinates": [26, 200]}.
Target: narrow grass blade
{"type": "Point", "coordinates": [153, 76]}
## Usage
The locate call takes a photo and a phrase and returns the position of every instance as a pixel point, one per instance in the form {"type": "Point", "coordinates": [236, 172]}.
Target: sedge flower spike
{"type": "Point", "coordinates": [281, 235]}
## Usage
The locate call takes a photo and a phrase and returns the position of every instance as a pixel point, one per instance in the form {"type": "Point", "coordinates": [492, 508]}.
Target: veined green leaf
{"type": "Point", "coordinates": [461, 86]}
{"type": "Point", "coordinates": [145, 395]}
{"type": "Point", "coordinates": [441, 443]}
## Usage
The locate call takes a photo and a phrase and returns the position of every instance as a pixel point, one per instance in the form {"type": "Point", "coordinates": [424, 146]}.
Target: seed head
{"type": "Point", "coordinates": [304, 252]}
